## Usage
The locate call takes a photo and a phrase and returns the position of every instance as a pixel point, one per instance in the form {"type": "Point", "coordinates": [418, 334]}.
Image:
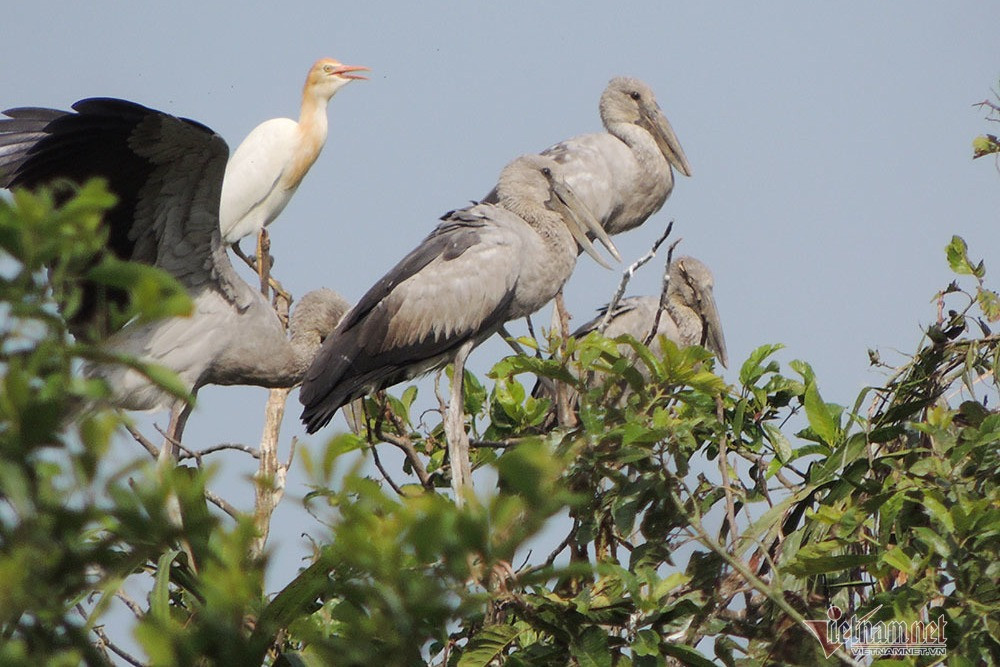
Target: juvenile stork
{"type": "Point", "coordinates": [166, 173]}
{"type": "Point", "coordinates": [481, 267]}
{"type": "Point", "coordinates": [689, 317]}
{"type": "Point", "coordinates": [625, 174]}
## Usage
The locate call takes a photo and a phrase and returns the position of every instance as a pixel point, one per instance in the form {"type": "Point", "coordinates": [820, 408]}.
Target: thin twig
{"type": "Point", "coordinates": [153, 450]}
{"type": "Point", "coordinates": [175, 442]}
{"type": "Point", "coordinates": [130, 603]}
{"type": "Point", "coordinates": [117, 650]}
{"type": "Point", "coordinates": [404, 445]}
{"type": "Point", "coordinates": [246, 449]}
{"type": "Point", "coordinates": [512, 341]}
{"type": "Point", "coordinates": [724, 468]}
{"type": "Point", "coordinates": [627, 276]}
{"type": "Point", "coordinates": [531, 332]}
{"type": "Point", "coordinates": [496, 444]}
{"type": "Point", "coordinates": [385, 473]}
{"type": "Point", "coordinates": [222, 504]}
{"type": "Point", "coordinates": [989, 105]}
{"type": "Point", "coordinates": [663, 294]}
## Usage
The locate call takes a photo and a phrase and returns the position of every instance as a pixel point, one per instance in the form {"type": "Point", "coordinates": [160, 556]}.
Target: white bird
{"type": "Point", "coordinates": [166, 173]}
{"type": "Point", "coordinates": [483, 266]}
{"type": "Point", "coordinates": [267, 168]}
{"type": "Point", "coordinates": [623, 175]}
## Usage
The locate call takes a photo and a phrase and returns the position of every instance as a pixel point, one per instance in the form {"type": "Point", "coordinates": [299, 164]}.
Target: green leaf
{"type": "Point", "coordinates": [488, 645]}
{"type": "Point", "coordinates": [985, 144]}
{"type": "Point", "coordinates": [591, 648]}
{"type": "Point", "coordinates": [898, 559]}
{"type": "Point", "coordinates": [687, 655]}
{"type": "Point", "coordinates": [804, 565]}
{"type": "Point", "coordinates": [820, 415]}
{"type": "Point", "coordinates": [958, 256]}
{"type": "Point", "coordinates": [647, 642]}
{"type": "Point", "coordinates": [752, 369]}
{"type": "Point", "coordinates": [159, 598]}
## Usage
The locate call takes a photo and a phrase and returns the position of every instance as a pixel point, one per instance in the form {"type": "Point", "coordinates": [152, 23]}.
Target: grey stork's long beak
{"type": "Point", "coordinates": [580, 221]}
{"type": "Point", "coordinates": [711, 332]}
{"type": "Point", "coordinates": [659, 127]}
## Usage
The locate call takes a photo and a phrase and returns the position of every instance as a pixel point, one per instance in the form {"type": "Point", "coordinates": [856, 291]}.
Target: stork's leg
{"type": "Point", "coordinates": [454, 428]}
{"type": "Point", "coordinates": [560, 321]}
{"type": "Point", "coordinates": [179, 414]}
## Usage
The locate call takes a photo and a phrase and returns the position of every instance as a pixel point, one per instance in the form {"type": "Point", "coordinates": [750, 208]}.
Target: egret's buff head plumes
{"type": "Point", "coordinates": [327, 76]}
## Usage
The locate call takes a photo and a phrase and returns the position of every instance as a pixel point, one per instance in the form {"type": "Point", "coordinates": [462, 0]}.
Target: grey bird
{"type": "Point", "coordinates": [625, 174]}
{"type": "Point", "coordinates": [167, 174]}
{"type": "Point", "coordinates": [690, 316]}
{"type": "Point", "coordinates": [481, 267]}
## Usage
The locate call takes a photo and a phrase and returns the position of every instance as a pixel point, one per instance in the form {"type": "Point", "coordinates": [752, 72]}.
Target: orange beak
{"type": "Point", "coordinates": [345, 71]}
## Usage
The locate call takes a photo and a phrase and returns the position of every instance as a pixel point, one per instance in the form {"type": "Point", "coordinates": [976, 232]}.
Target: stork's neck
{"type": "Point", "coordinates": [688, 321]}
{"type": "Point", "coordinates": [642, 143]}
{"type": "Point", "coordinates": [265, 356]}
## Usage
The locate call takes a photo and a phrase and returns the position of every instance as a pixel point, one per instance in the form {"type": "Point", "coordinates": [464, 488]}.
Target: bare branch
{"type": "Point", "coordinates": [724, 469]}
{"type": "Point", "coordinates": [496, 444]}
{"type": "Point", "coordinates": [105, 641]}
{"type": "Point", "coordinates": [385, 474]}
{"type": "Point", "coordinates": [133, 606]}
{"type": "Point", "coordinates": [531, 332]}
{"type": "Point", "coordinates": [512, 341]}
{"type": "Point", "coordinates": [270, 477]}
{"type": "Point", "coordinates": [404, 445]}
{"type": "Point", "coordinates": [153, 450]}
{"type": "Point", "coordinates": [222, 504]}
{"type": "Point", "coordinates": [247, 449]}
{"type": "Point", "coordinates": [663, 293]}
{"type": "Point", "coordinates": [627, 276]}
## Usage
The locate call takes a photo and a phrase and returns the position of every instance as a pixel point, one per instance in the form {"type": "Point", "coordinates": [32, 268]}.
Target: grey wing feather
{"type": "Point", "coordinates": [402, 327]}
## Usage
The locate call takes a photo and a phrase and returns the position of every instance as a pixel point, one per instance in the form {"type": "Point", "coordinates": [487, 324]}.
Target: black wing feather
{"type": "Point", "coordinates": [39, 146]}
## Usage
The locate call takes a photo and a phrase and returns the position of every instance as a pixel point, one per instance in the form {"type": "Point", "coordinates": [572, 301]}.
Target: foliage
{"type": "Point", "coordinates": [987, 144]}
{"type": "Point", "coordinates": [697, 522]}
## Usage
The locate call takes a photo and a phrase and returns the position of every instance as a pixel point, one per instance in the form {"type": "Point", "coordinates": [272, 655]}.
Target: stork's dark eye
{"type": "Point", "coordinates": [546, 171]}
{"type": "Point", "coordinates": [635, 95]}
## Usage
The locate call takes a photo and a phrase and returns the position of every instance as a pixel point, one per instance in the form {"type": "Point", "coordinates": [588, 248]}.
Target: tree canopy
{"type": "Point", "coordinates": [701, 522]}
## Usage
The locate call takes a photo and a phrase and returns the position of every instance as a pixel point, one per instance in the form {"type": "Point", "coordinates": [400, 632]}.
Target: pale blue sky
{"type": "Point", "coordinates": [830, 143]}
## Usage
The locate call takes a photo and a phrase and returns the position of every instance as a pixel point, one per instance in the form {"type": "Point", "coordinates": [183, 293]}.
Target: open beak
{"type": "Point", "coordinates": [659, 127]}
{"type": "Point", "coordinates": [345, 71]}
{"type": "Point", "coordinates": [711, 332]}
{"type": "Point", "coordinates": [581, 221]}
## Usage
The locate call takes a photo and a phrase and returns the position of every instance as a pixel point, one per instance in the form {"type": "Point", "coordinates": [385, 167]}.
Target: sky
{"type": "Point", "coordinates": [830, 146]}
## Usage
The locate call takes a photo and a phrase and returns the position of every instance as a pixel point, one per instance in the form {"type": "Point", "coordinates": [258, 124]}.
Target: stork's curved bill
{"type": "Point", "coordinates": [657, 125]}
{"type": "Point", "coordinates": [580, 221]}
{"type": "Point", "coordinates": [711, 333]}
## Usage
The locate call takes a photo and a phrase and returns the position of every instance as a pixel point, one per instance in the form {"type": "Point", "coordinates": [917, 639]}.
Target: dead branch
{"type": "Point", "coordinates": [153, 450]}
{"type": "Point", "coordinates": [663, 294]}
{"type": "Point", "coordinates": [627, 276]}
